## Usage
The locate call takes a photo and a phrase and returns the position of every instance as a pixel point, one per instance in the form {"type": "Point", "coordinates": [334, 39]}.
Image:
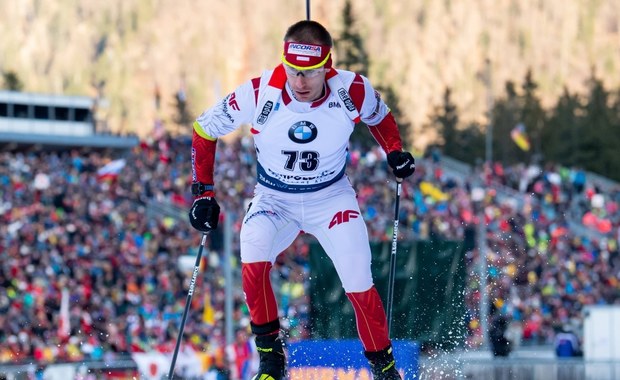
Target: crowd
{"type": "Point", "coordinates": [89, 253]}
{"type": "Point", "coordinates": [545, 262]}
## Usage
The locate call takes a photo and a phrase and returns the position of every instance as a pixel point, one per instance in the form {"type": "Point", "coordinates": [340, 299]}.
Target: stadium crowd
{"type": "Point", "coordinates": [89, 266]}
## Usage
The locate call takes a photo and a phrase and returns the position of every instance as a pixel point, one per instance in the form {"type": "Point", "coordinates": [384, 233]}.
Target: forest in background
{"type": "Point", "coordinates": [578, 131]}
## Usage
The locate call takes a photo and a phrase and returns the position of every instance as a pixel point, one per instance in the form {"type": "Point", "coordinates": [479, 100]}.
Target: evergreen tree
{"type": "Point", "coordinates": [391, 99]}
{"type": "Point", "coordinates": [615, 112]}
{"type": "Point", "coordinates": [560, 134]}
{"type": "Point", "coordinates": [184, 116]}
{"type": "Point", "coordinates": [615, 109]}
{"type": "Point", "coordinates": [444, 121]}
{"type": "Point", "coordinates": [470, 143]}
{"type": "Point", "coordinates": [505, 116]}
{"type": "Point", "coordinates": [466, 144]}
{"type": "Point", "coordinates": [350, 49]}
{"type": "Point", "coordinates": [599, 144]}
{"type": "Point", "coordinates": [615, 131]}
{"type": "Point", "coordinates": [352, 56]}
{"type": "Point", "coordinates": [532, 114]}
{"type": "Point", "coordinates": [508, 112]}
{"type": "Point", "coordinates": [11, 81]}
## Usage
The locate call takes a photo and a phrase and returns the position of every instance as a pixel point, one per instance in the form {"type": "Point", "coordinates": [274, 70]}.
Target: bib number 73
{"type": "Point", "coordinates": [308, 160]}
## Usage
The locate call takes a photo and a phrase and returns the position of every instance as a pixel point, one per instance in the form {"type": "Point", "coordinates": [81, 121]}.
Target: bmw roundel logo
{"type": "Point", "coordinates": [302, 132]}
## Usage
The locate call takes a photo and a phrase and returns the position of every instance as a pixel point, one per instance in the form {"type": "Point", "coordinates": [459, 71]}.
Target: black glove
{"type": "Point", "coordinates": [204, 214]}
{"type": "Point", "coordinates": [402, 163]}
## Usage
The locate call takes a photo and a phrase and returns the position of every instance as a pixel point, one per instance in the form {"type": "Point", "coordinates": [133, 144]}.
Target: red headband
{"type": "Point", "coordinates": [306, 56]}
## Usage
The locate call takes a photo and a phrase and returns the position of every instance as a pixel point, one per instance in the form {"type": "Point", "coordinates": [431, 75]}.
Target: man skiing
{"type": "Point", "coordinates": [302, 115]}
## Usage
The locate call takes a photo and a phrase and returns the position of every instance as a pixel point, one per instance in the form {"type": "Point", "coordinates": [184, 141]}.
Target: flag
{"type": "Point", "coordinates": [519, 137]}
{"type": "Point", "coordinates": [111, 169]}
{"type": "Point", "coordinates": [151, 365]}
{"type": "Point", "coordinates": [208, 313]}
{"type": "Point", "coordinates": [64, 326]}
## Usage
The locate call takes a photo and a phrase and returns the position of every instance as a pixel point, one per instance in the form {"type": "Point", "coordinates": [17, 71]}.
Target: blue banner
{"type": "Point", "coordinates": [344, 360]}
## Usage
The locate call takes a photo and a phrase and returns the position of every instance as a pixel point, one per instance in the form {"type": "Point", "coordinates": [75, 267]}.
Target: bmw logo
{"type": "Point", "coordinates": [302, 132]}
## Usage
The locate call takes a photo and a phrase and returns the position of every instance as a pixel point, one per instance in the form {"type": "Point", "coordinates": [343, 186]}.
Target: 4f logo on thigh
{"type": "Point", "coordinates": [343, 217]}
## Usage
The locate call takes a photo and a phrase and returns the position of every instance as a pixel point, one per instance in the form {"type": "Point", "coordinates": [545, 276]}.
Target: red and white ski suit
{"type": "Point", "coordinates": [302, 186]}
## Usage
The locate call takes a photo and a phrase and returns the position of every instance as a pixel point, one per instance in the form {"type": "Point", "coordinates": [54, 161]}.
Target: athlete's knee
{"type": "Point", "coordinates": [355, 275]}
{"type": "Point", "coordinates": [358, 284]}
{"type": "Point", "coordinates": [256, 273]}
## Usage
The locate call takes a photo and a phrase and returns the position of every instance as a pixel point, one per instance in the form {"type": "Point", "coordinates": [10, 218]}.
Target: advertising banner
{"type": "Point", "coordinates": [344, 360]}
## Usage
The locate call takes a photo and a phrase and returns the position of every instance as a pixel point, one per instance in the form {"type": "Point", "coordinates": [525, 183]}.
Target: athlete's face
{"type": "Point", "coordinates": [307, 85]}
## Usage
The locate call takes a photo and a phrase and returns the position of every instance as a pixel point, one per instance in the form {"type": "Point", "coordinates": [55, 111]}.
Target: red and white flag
{"type": "Point", "coordinates": [111, 169]}
{"type": "Point", "coordinates": [64, 325]}
{"type": "Point", "coordinates": [151, 365]}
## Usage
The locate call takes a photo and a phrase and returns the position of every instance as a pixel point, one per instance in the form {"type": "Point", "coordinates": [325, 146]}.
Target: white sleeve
{"type": "Point", "coordinates": [236, 109]}
{"type": "Point", "coordinates": [373, 108]}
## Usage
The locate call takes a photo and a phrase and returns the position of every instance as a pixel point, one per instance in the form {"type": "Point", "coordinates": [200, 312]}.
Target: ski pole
{"type": "Point", "coordinates": [393, 257]}
{"type": "Point", "coordinates": [307, 9]}
{"type": "Point", "coordinates": [190, 292]}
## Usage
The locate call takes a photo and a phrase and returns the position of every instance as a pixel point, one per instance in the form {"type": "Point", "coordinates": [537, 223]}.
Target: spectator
{"type": "Point", "coordinates": [566, 343]}
{"type": "Point", "coordinates": [497, 335]}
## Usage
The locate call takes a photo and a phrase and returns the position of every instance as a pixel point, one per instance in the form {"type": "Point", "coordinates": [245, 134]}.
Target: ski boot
{"type": "Point", "coordinates": [272, 360]}
{"type": "Point", "coordinates": [382, 364]}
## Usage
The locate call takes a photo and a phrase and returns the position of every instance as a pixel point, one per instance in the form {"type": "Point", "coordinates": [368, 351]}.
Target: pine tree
{"type": "Point", "coordinates": [446, 121]}
{"type": "Point", "coordinates": [391, 99]}
{"type": "Point", "coordinates": [560, 133]}
{"type": "Point", "coordinates": [599, 143]}
{"type": "Point", "coordinates": [505, 116]}
{"type": "Point", "coordinates": [352, 56]}
{"type": "Point", "coordinates": [350, 49]}
{"type": "Point", "coordinates": [462, 144]}
{"type": "Point", "coordinates": [614, 130]}
{"type": "Point", "coordinates": [470, 142]}
{"type": "Point", "coordinates": [183, 117]}
{"type": "Point", "coordinates": [11, 81]}
{"type": "Point", "coordinates": [532, 114]}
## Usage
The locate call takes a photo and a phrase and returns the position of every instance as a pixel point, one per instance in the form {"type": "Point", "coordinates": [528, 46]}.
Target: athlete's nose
{"type": "Point", "coordinates": [299, 82]}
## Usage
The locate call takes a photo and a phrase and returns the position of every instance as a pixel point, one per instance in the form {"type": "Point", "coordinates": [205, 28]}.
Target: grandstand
{"type": "Point", "coordinates": [113, 248]}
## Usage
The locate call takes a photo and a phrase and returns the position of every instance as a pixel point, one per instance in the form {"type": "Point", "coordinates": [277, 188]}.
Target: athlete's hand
{"type": "Point", "coordinates": [204, 214]}
{"type": "Point", "coordinates": [402, 163]}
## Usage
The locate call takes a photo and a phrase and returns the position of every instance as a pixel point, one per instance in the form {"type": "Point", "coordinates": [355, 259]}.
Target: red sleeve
{"type": "Point", "coordinates": [386, 133]}
{"type": "Point", "coordinates": [203, 159]}
{"type": "Point", "coordinates": [256, 84]}
{"type": "Point", "coordinates": [357, 91]}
